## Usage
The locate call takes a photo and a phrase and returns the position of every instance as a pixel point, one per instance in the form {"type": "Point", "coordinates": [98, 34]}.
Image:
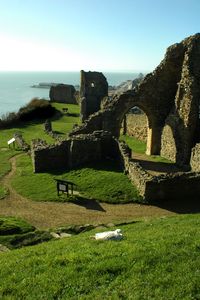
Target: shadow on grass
{"type": "Point", "coordinates": [104, 165]}
{"type": "Point", "coordinates": [59, 132]}
{"type": "Point", "coordinates": [91, 204]}
{"type": "Point", "coordinates": [190, 206]}
{"type": "Point", "coordinates": [68, 114]}
{"type": "Point", "coordinates": [161, 167]}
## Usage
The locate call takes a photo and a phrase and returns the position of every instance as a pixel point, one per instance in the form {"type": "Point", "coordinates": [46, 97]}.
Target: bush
{"type": "Point", "coordinates": [36, 109]}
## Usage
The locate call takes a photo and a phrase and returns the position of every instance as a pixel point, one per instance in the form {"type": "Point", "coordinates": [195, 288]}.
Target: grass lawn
{"type": "Point", "coordinates": [65, 124]}
{"type": "Point", "coordinates": [157, 259]}
{"type": "Point", "coordinates": [140, 147]}
{"type": "Point", "coordinates": [102, 181]}
{"type": "Point", "coordinates": [134, 144]}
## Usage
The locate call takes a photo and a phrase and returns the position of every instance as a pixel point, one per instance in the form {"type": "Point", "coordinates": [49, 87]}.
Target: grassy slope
{"type": "Point", "coordinates": [16, 233]}
{"type": "Point", "coordinates": [102, 181]}
{"type": "Point", "coordinates": [32, 130]}
{"type": "Point", "coordinates": [158, 259]}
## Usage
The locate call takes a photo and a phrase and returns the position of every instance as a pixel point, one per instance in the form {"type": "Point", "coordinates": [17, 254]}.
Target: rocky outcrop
{"type": "Point", "coordinates": [63, 93]}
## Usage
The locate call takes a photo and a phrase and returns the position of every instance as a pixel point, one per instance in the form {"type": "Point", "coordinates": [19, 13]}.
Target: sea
{"type": "Point", "coordinates": [16, 87]}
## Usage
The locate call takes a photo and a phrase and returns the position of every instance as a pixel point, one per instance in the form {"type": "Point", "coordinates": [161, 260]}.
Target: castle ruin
{"type": "Point", "coordinates": [170, 97]}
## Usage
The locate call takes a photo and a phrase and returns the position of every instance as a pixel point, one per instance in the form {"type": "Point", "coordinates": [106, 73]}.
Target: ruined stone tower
{"type": "Point", "coordinates": [94, 88]}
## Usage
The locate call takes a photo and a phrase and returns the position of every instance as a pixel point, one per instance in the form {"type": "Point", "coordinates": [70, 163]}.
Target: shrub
{"type": "Point", "coordinates": [36, 109]}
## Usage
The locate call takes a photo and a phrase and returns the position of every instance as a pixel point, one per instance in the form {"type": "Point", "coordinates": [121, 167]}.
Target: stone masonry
{"type": "Point", "coordinates": [63, 93]}
{"type": "Point", "coordinates": [73, 152]}
{"type": "Point", "coordinates": [94, 88]}
{"type": "Point", "coordinates": [136, 125]}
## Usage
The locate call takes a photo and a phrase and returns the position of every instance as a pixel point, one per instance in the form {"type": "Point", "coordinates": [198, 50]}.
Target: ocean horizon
{"type": "Point", "coordinates": [16, 87]}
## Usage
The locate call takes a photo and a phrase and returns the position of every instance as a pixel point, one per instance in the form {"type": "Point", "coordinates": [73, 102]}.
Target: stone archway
{"type": "Point", "coordinates": [140, 126]}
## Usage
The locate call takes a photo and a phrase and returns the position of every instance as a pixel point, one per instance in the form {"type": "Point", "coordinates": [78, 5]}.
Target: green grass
{"type": "Point", "coordinates": [5, 155]}
{"type": "Point", "coordinates": [140, 147]}
{"type": "Point", "coordinates": [157, 259]}
{"type": "Point", "coordinates": [34, 130]}
{"type": "Point", "coordinates": [11, 225]}
{"type": "Point", "coordinates": [16, 233]}
{"type": "Point", "coordinates": [102, 181]}
{"type": "Point", "coordinates": [134, 144]}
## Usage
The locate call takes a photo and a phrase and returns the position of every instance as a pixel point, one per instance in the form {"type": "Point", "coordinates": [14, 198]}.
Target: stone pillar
{"type": "Point", "coordinates": [154, 140]}
{"type": "Point", "coordinates": [124, 125]}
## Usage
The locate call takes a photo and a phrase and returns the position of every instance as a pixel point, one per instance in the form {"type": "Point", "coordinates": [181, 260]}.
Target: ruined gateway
{"type": "Point", "coordinates": [170, 98]}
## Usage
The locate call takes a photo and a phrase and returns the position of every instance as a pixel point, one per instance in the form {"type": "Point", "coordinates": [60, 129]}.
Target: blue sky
{"type": "Point", "coordinates": [102, 35]}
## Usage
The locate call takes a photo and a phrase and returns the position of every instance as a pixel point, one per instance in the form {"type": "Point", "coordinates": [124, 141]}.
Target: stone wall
{"type": "Point", "coordinates": [136, 125]}
{"type": "Point", "coordinates": [168, 146]}
{"type": "Point", "coordinates": [164, 187]}
{"type": "Point", "coordinates": [184, 186]}
{"type": "Point", "coordinates": [63, 93]}
{"type": "Point", "coordinates": [47, 158]}
{"type": "Point", "coordinates": [21, 142]}
{"type": "Point", "coordinates": [72, 152]}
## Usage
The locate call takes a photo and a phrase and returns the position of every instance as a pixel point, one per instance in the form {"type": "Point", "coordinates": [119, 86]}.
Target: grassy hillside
{"type": "Point", "coordinates": [31, 130]}
{"type": "Point", "coordinates": [157, 259]}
